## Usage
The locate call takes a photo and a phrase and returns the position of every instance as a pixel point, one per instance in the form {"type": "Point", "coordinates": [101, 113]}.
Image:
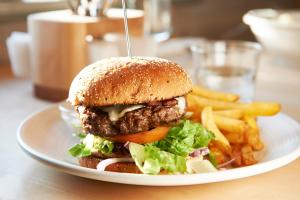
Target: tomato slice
{"type": "Point", "coordinates": [143, 137]}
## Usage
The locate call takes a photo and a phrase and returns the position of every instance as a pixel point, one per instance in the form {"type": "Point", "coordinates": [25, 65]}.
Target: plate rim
{"type": "Point", "coordinates": [77, 170]}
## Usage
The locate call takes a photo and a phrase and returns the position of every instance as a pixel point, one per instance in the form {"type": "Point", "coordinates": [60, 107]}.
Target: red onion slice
{"type": "Point", "coordinates": [199, 152]}
{"type": "Point", "coordinates": [126, 145]}
{"type": "Point", "coordinates": [104, 163]}
{"type": "Point", "coordinates": [226, 163]}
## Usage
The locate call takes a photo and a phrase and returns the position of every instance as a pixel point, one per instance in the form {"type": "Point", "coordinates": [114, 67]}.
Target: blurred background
{"type": "Point", "coordinates": [214, 19]}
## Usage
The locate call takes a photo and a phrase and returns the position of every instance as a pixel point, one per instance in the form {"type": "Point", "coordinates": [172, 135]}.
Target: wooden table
{"type": "Point", "coordinates": [24, 178]}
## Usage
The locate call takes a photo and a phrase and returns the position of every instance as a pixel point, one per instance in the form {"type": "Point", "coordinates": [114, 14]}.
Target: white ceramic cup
{"type": "Point", "coordinates": [18, 51]}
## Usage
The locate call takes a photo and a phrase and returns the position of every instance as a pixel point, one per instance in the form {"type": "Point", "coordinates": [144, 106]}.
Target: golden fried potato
{"type": "Point", "coordinates": [210, 94]}
{"type": "Point", "coordinates": [196, 114]}
{"type": "Point", "coordinates": [251, 109]}
{"type": "Point", "coordinates": [221, 146]}
{"type": "Point", "coordinates": [192, 102]}
{"type": "Point", "coordinates": [234, 138]}
{"type": "Point", "coordinates": [233, 113]}
{"type": "Point", "coordinates": [230, 125]}
{"type": "Point", "coordinates": [236, 155]}
{"type": "Point", "coordinates": [252, 135]}
{"type": "Point", "coordinates": [247, 155]}
{"type": "Point", "coordinates": [219, 155]}
{"type": "Point", "coordinates": [208, 122]}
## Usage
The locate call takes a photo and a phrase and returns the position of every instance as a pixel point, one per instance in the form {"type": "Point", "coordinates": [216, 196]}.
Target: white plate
{"type": "Point", "coordinates": [46, 137]}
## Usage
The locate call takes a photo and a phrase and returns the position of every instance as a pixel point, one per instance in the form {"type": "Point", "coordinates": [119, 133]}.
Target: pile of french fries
{"type": "Point", "coordinates": [237, 134]}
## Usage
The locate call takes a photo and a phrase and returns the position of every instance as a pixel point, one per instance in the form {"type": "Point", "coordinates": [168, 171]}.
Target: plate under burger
{"type": "Point", "coordinates": [46, 137]}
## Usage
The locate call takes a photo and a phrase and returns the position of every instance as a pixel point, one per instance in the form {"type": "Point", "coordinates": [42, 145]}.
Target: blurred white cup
{"type": "Point", "coordinates": [18, 51]}
{"type": "Point", "coordinates": [140, 46]}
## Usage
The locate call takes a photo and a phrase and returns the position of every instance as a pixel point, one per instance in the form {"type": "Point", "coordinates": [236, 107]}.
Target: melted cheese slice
{"type": "Point", "coordinates": [116, 112]}
{"type": "Point", "coordinates": [181, 104]}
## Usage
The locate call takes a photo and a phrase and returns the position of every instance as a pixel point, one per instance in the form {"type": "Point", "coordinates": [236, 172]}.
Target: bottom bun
{"type": "Point", "coordinates": [89, 161]}
{"type": "Point", "coordinates": [121, 167]}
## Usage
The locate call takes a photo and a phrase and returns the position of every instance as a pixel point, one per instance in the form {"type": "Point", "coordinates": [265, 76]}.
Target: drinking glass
{"type": "Point", "coordinates": [228, 66]}
{"type": "Point", "coordinates": [158, 19]}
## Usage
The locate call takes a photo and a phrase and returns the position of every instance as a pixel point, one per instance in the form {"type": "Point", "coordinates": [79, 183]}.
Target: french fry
{"type": "Point", "coordinates": [243, 155]}
{"type": "Point", "coordinates": [251, 121]}
{"type": "Point", "coordinates": [208, 122]}
{"type": "Point", "coordinates": [220, 156]}
{"type": "Point", "coordinates": [193, 107]}
{"type": "Point", "coordinates": [234, 138]}
{"type": "Point", "coordinates": [192, 102]}
{"type": "Point", "coordinates": [230, 125]}
{"type": "Point", "coordinates": [233, 113]}
{"type": "Point", "coordinates": [251, 109]}
{"type": "Point", "coordinates": [196, 116]}
{"type": "Point", "coordinates": [237, 155]}
{"type": "Point", "coordinates": [247, 155]}
{"type": "Point", "coordinates": [221, 146]}
{"type": "Point", "coordinates": [252, 134]}
{"type": "Point", "coordinates": [210, 94]}
{"type": "Point", "coordinates": [260, 108]}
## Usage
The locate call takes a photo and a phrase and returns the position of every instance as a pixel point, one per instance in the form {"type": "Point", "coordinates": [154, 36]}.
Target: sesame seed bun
{"type": "Point", "coordinates": [124, 80]}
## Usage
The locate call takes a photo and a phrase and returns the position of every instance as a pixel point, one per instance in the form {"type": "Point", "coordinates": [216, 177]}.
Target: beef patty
{"type": "Point", "coordinates": [96, 121]}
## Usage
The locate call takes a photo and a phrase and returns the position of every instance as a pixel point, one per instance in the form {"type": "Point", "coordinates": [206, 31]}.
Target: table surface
{"type": "Point", "coordinates": [24, 178]}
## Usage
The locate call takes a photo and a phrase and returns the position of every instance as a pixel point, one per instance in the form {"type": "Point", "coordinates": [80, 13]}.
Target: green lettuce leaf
{"type": "Point", "coordinates": [91, 143]}
{"type": "Point", "coordinates": [151, 160]}
{"type": "Point", "coordinates": [184, 138]}
{"type": "Point", "coordinates": [76, 150]}
{"type": "Point", "coordinates": [80, 135]}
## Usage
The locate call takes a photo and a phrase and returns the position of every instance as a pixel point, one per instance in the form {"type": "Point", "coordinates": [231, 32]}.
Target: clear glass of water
{"type": "Point", "coordinates": [158, 19]}
{"type": "Point", "coordinates": [228, 66]}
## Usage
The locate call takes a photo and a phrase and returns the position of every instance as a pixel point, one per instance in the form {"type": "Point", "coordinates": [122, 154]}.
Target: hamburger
{"type": "Point", "coordinates": [127, 107]}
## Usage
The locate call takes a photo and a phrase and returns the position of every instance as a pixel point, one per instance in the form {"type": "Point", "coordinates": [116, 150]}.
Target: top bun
{"type": "Point", "coordinates": [124, 80]}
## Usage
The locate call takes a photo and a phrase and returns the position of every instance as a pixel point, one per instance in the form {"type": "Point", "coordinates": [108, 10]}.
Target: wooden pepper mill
{"type": "Point", "coordinates": [59, 47]}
